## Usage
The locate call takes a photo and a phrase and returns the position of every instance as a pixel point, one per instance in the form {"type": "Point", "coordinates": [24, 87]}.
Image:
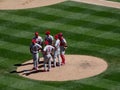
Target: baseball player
{"type": "Point", "coordinates": [48, 49]}
{"type": "Point", "coordinates": [57, 51]}
{"type": "Point", "coordinates": [63, 46]}
{"type": "Point", "coordinates": [49, 38]}
{"type": "Point", "coordinates": [39, 40]}
{"type": "Point", "coordinates": [34, 49]}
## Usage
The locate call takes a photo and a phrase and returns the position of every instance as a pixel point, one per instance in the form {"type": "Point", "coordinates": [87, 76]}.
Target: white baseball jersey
{"type": "Point", "coordinates": [34, 48]}
{"type": "Point", "coordinates": [48, 49]}
{"type": "Point", "coordinates": [57, 44]}
{"type": "Point", "coordinates": [49, 38]}
{"type": "Point", "coordinates": [38, 39]}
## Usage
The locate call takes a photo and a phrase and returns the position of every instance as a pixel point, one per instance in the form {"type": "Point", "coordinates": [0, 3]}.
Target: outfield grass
{"type": "Point", "coordinates": [89, 30]}
{"type": "Point", "coordinates": [115, 0]}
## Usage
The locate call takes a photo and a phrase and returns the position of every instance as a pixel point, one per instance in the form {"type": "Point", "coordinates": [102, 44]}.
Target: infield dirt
{"type": "Point", "coordinates": [76, 67]}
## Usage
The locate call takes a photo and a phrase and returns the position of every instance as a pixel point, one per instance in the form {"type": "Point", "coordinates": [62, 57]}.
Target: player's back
{"type": "Point", "coordinates": [48, 49]}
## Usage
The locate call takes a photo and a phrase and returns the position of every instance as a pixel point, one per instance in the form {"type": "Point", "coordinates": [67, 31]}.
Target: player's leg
{"type": "Point", "coordinates": [55, 56]}
{"type": "Point", "coordinates": [33, 61]}
{"type": "Point", "coordinates": [62, 54]}
{"type": "Point", "coordinates": [36, 62]}
{"type": "Point", "coordinates": [59, 60]}
{"type": "Point", "coordinates": [45, 63]}
{"type": "Point", "coordinates": [49, 63]}
{"type": "Point", "coordinates": [39, 59]}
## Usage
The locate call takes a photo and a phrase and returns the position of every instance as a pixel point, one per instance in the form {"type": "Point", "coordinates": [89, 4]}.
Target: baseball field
{"type": "Point", "coordinates": [115, 0]}
{"type": "Point", "coordinates": [89, 30]}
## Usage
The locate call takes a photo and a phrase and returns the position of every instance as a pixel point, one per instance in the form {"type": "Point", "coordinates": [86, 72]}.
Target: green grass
{"type": "Point", "coordinates": [88, 29]}
{"type": "Point", "coordinates": [114, 0]}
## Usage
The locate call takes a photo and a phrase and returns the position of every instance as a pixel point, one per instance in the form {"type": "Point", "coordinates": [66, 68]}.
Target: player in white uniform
{"type": "Point", "coordinates": [49, 38]}
{"type": "Point", "coordinates": [48, 49]}
{"type": "Point", "coordinates": [63, 46]}
{"type": "Point", "coordinates": [39, 40]}
{"type": "Point", "coordinates": [57, 51]}
{"type": "Point", "coordinates": [34, 49]}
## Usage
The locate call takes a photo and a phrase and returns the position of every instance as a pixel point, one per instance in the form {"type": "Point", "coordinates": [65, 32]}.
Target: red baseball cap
{"type": "Point", "coordinates": [60, 34]}
{"type": "Point", "coordinates": [56, 36]}
{"type": "Point", "coordinates": [47, 32]}
{"type": "Point", "coordinates": [36, 33]}
{"type": "Point", "coordinates": [33, 41]}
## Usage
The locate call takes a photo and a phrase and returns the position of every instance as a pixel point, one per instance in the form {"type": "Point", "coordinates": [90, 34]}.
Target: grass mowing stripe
{"type": "Point", "coordinates": [69, 86]}
{"type": "Point", "coordinates": [114, 0]}
{"type": "Point", "coordinates": [17, 25]}
{"type": "Point", "coordinates": [103, 39]}
{"type": "Point", "coordinates": [87, 51]}
{"type": "Point", "coordinates": [111, 51]}
{"type": "Point", "coordinates": [100, 82]}
{"type": "Point", "coordinates": [23, 84]}
{"type": "Point", "coordinates": [16, 33]}
{"type": "Point", "coordinates": [93, 53]}
{"type": "Point", "coordinates": [14, 39]}
{"type": "Point", "coordinates": [109, 35]}
{"type": "Point", "coordinates": [89, 24]}
{"type": "Point", "coordinates": [12, 55]}
{"type": "Point", "coordinates": [87, 38]}
{"type": "Point", "coordinates": [94, 47]}
{"type": "Point", "coordinates": [14, 47]}
{"type": "Point", "coordinates": [5, 65]}
{"type": "Point", "coordinates": [21, 19]}
{"type": "Point", "coordinates": [64, 14]}
{"type": "Point", "coordinates": [21, 33]}
{"type": "Point", "coordinates": [76, 16]}
{"type": "Point", "coordinates": [50, 18]}
{"type": "Point", "coordinates": [113, 76]}
{"type": "Point", "coordinates": [90, 6]}
{"type": "Point", "coordinates": [81, 23]}
{"type": "Point", "coordinates": [83, 51]}
{"type": "Point", "coordinates": [7, 87]}
{"type": "Point", "coordinates": [86, 10]}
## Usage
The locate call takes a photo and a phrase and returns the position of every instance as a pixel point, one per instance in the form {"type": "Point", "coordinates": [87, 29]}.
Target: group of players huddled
{"type": "Point", "coordinates": [52, 49]}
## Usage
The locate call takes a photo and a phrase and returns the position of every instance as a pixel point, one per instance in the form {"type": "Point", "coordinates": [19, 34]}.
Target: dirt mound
{"type": "Point", "coordinates": [76, 67]}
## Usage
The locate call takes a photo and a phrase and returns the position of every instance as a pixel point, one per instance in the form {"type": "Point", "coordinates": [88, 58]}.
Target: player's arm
{"type": "Point", "coordinates": [52, 40]}
{"type": "Point", "coordinates": [65, 44]}
{"type": "Point", "coordinates": [39, 47]}
{"type": "Point", "coordinates": [42, 43]}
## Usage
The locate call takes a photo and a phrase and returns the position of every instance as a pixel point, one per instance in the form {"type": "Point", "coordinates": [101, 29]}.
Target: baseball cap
{"type": "Point", "coordinates": [33, 41]}
{"type": "Point", "coordinates": [56, 36]}
{"type": "Point", "coordinates": [47, 32]}
{"type": "Point", "coordinates": [36, 33]}
{"type": "Point", "coordinates": [60, 34]}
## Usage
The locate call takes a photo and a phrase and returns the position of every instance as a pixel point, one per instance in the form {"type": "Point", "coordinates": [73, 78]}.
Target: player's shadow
{"type": "Point", "coordinates": [29, 71]}
{"type": "Point", "coordinates": [23, 64]}
{"type": "Point", "coordinates": [19, 64]}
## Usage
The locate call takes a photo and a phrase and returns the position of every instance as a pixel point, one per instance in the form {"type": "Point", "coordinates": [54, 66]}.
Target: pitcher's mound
{"type": "Point", "coordinates": [76, 67]}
